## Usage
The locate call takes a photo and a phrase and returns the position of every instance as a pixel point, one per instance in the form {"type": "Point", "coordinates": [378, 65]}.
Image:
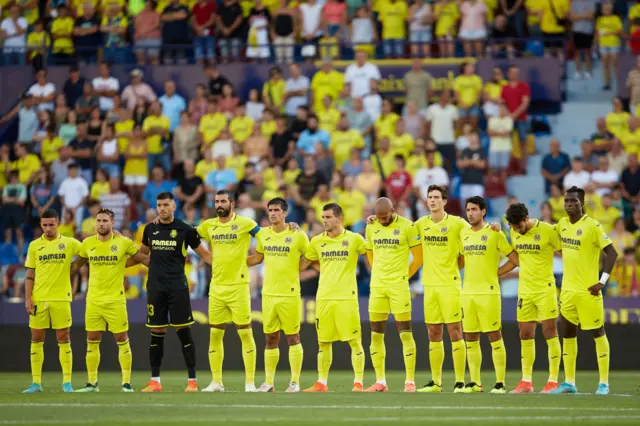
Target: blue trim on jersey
{"type": "Point", "coordinates": [254, 231]}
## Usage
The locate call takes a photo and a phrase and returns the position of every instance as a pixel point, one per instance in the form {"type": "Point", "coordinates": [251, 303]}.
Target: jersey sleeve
{"type": "Point", "coordinates": [312, 252]}
{"type": "Point", "coordinates": [303, 244]}
{"type": "Point", "coordinates": [252, 227]}
{"type": "Point", "coordinates": [193, 238]}
{"type": "Point", "coordinates": [30, 262]}
{"type": "Point", "coordinates": [259, 246]}
{"type": "Point", "coordinates": [600, 238]}
{"type": "Point", "coordinates": [369, 243]}
{"type": "Point", "coordinates": [202, 231]}
{"type": "Point", "coordinates": [132, 249]}
{"type": "Point", "coordinates": [503, 245]}
{"type": "Point", "coordinates": [145, 236]}
{"type": "Point", "coordinates": [361, 245]}
{"type": "Point", "coordinates": [554, 238]}
{"type": "Point", "coordinates": [83, 250]}
{"type": "Point", "coordinates": [413, 236]}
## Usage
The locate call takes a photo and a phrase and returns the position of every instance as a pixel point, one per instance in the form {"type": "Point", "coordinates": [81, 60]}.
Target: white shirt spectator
{"type": "Point", "coordinates": [293, 85]}
{"type": "Point", "coordinates": [118, 203]}
{"type": "Point", "coordinates": [598, 176]}
{"type": "Point", "coordinates": [311, 15]}
{"type": "Point", "coordinates": [74, 190]}
{"type": "Point", "coordinates": [40, 91]}
{"type": "Point", "coordinates": [372, 104]}
{"type": "Point", "coordinates": [360, 78]}
{"type": "Point", "coordinates": [500, 124]}
{"type": "Point", "coordinates": [442, 123]}
{"type": "Point", "coordinates": [110, 83]}
{"type": "Point", "coordinates": [222, 148]}
{"type": "Point", "coordinates": [433, 176]}
{"type": "Point", "coordinates": [10, 29]}
{"type": "Point", "coordinates": [255, 110]}
{"type": "Point", "coordinates": [579, 180]}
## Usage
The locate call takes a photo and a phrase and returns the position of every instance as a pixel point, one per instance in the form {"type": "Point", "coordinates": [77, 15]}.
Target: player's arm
{"type": "Point", "coordinates": [255, 259]}
{"type": "Point", "coordinates": [78, 263]}
{"type": "Point", "coordinates": [370, 257]}
{"type": "Point", "coordinates": [460, 262]}
{"type": "Point", "coordinates": [305, 263]}
{"type": "Point", "coordinates": [28, 290]}
{"type": "Point", "coordinates": [513, 261]}
{"type": "Point", "coordinates": [144, 249]}
{"type": "Point", "coordinates": [416, 262]}
{"type": "Point", "coordinates": [610, 257]}
{"type": "Point", "coordinates": [204, 254]}
{"type": "Point", "coordinates": [138, 258]}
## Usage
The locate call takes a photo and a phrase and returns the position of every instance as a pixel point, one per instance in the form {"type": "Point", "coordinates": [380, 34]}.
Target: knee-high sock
{"type": "Point", "coordinates": [248, 354]}
{"type": "Point", "coordinates": [156, 352]}
{"type": "Point", "coordinates": [357, 359]}
{"type": "Point", "coordinates": [125, 357]}
{"type": "Point", "coordinates": [555, 356]}
{"type": "Point", "coordinates": [459, 355]}
{"type": "Point", "coordinates": [603, 353]}
{"type": "Point", "coordinates": [569, 355]}
{"type": "Point", "coordinates": [296, 355]}
{"type": "Point", "coordinates": [325, 357]}
{"type": "Point", "coordinates": [188, 351]}
{"type": "Point", "coordinates": [528, 355]}
{"type": "Point", "coordinates": [499, 355]}
{"type": "Point", "coordinates": [37, 359]}
{"type": "Point", "coordinates": [271, 358]}
{"type": "Point", "coordinates": [93, 360]}
{"type": "Point", "coordinates": [436, 358]}
{"type": "Point", "coordinates": [216, 353]}
{"type": "Point", "coordinates": [409, 352]}
{"type": "Point", "coordinates": [474, 358]}
{"type": "Point", "coordinates": [378, 352]}
{"type": "Point", "coordinates": [66, 360]}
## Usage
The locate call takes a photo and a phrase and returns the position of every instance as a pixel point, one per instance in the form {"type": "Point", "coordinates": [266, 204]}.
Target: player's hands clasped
{"type": "Point", "coordinates": [595, 289]}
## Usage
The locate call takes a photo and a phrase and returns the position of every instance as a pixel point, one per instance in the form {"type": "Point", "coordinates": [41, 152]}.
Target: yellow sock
{"type": "Point", "coordinates": [325, 357]}
{"type": "Point", "coordinates": [409, 351]}
{"type": "Point", "coordinates": [93, 360]}
{"type": "Point", "coordinates": [37, 358]}
{"type": "Point", "coordinates": [474, 358]}
{"type": "Point", "coordinates": [436, 358]}
{"type": "Point", "coordinates": [499, 355]}
{"type": "Point", "coordinates": [357, 359]}
{"type": "Point", "coordinates": [296, 355]}
{"type": "Point", "coordinates": [528, 354]}
{"type": "Point", "coordinates": [248, 354]}
{"type": "Point", "coordinates": [66, 360]}
{"type": "Point", "coordinates": [216, 353]}
{"type": "Point", "coordinates": [603, 353]}
{"type": "Point", "coordinates": [569, 355]}
{"type": "Point", "coordinates": [125, 357]}
{"type": "Point", "coordinates": [378, 352]}
{"type": "Point", "coordinates": [271, 358]}
{"type": "Point", "coordinates": [555, 354]}
{"type": "Point", "coordinates": [459, 355]}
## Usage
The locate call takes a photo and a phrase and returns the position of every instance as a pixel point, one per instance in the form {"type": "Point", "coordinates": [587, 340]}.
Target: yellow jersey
{"type": "Point", "coordinates": [618, 123]}
{"type": "Point", "coordinates": [387, 161]}
{"type": "Point", "coordinates": [342, 142]}
{"type": "Point", "coordinates": [99, 189]}
{"type": "Point", "coordinates": [89, 226]}
{"type": "Point", "coordinates": [282, 252]}
{"type": "Point", "coordinates": [352, 204]}
{"type": "Point", "coordinates": [211, 125]}
{"type": "Point", "coordinates": [609, 28]}
{"type": "Point", "coordinates": [582, 243]}
{"type": "Point", "coordinates": [391, 246]}
{"type": "Point", "coordinates": [338, 258]}
{"type": "Point", "coordinates": [326, 84]}
{"type": "Point", "coordinates": [534, 6]}
{"type": "Point", "coordinates": [447, 15]}
{"type": "Point", "coordinates": [123, 127]}
{"type": "Point", "coordinates": [229, 244]}
{"type": "Point", "coordinates": [241, 128]}
{"type": "Point", "coordinates": [493, 90]}
{"type": "Point", "coordinates": [49, 149]}
{"type": "Point", "coordinates": [468, 88]}
{"type": "Point", "coordinates": [268, 128]}
{"type": "Point", "coordinates": [482, 250]}
{"type": "Point", "coordinates": [328, 119]}
{"type": "Point", "coordinates": [203, 168]}
{"type": "Point", "coordinates": [401, 144]}
{"type": "Point", "coordinates": [274, 92]}
{"type": "Point", "coordinates": [37, 42]}
{"type": "Point", "coordinates": [634, 14]}
{"type": "Point", "coordinates": [154, 143]}
{"type": "Point", "coordinates": [107, 260]}
{"type": "Point", "coordinates": [549, 23]}
{"type": "Point", "coordinates": [63, 27]}
{"type": "Point", "coordinates": [237, 163]}
{"type": "Point", "coordinates": [52, 263]}
{"type": "Point", "coordinates": [607, 216]}
{"type": "Point", "coordinates": [385, 125]}
{"type": "Point", "coordinates": [318, 205]}
{"type": "Point", "coordinates": [536, 250]}
{"type": "Point", "coordinates": [394, 19]}
{"type": "Point", "coordinates": [26, 167]}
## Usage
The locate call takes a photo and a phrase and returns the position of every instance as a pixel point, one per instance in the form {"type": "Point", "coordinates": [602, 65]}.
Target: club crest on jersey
{"type": "Point", "coordinates": [345, 243]}
{"type": "Point", "coordinates": [396, 232]}
{"type": "Point", "coordinates": [536, 237]}
{"type": "Point", "coordinates": [579, 233]}
{"type": "Point", "coordinates": [288, 240]}
{"type": "Point", "coordinates": [61, 247]}
{"type": "Point", "coordinates": [114, 248]}
{"type": "Point", "coordinates": [444, 229]}
{"type": "Point", "coordinates": [234, 228]}
{"type": "Point", "coordinates": [484, 238]}
{"type": "Point", "coordinates": [173, 233]}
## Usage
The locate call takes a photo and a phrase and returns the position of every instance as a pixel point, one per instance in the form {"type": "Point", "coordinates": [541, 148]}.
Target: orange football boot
{"type": "Point", "coordinates": [357, 387]}
{"type": "Point", "coordinates": [192, 386]}
{"type": "Point", "coordinates": [549, 387]}
{"type": "Point", "coordinates": [409, 387]}
{"type": "Point", "coordinates": [317, 387]}
{"type": "Point", "coordinates": [523, 387]}
{"type": "Point", "coordinates": [377, 387]}
{"type": "Point", "coordinates": [152, 386]}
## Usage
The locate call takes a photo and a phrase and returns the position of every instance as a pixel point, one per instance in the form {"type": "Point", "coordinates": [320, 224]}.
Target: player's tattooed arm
{"type": "Point", "coordinates": [78, 263]}
{"type": "Point", "coordinates": [611, 255]}
{"type": "Point", "coordinates": [255, 259]}
{"type": "Point", "coordinates": [28, 290]}
{"type": "Point", "coordinates": [416, 262]}
{"type": "Point", "coordinates": [511, 264]}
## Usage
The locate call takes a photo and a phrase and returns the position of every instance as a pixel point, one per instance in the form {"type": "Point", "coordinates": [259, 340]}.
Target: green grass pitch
{"type": "Point", "coordinates": [338, 407]}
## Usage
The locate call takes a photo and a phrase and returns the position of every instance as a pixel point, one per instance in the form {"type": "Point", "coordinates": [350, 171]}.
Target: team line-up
{"type": "Point", "coordinates": [395, 247]}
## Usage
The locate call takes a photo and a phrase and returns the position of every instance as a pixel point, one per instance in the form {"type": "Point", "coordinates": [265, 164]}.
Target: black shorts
{"type": "Point", "coordinates": [553, 40]}
{"type": "Point", "coordinates": [167, 307]}
{"type": "Point", "coordinates": [582, 40]}
{"type": "Point", "coordinates": [13, 216]}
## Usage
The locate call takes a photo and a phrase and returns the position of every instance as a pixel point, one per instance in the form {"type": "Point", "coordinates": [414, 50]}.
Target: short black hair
{"type": "Point", "coordinates": [478, 201]}
{"type": "Point", "coordinates": [516, 213]}
{"type": "Point", "coordinates": [50, 214]}
{"type": "Point", "coordinates": [108, 212]}
{"type": "Point", "coordinates": [166, 195]}
{"type": "Point", "coordinates": [443, 191]}
{"type": "Point", "coordinates": [400, 157]}
{"type": "Point", "coordinates": [228, 193]}
{"type": "Point", "coordinates": [335, 207]}
{"type": "Point", "coordinates": [279, 201]}
{"type": "Point", "coordinates": [577, 158]}
{"type": "Point", "coordinates": [578, 191]}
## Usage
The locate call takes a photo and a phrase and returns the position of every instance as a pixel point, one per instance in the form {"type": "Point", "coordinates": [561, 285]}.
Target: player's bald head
{"type": "Point", "coordinates": [384, 211]}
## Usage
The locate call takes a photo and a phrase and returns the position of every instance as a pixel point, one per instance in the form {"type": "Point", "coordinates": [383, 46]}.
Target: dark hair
{"type": "Point", "coordinates": [401, 158]}
{"type": "Point", "coordinates": [227, 193]}
{"type": "Point", "coordinates": [108, 212]}
{"type": "Point", "coordinates": [278, 201]}
{"type": "Point", "coordinates": [310, 116]}
{"type": "Point", "coordinates": [578, 191]}
{"type": "Point", "coordinates": [479, 201]}
{"type": "Point", "coordinates": [516, 213]}
{"type": "Point", "coordinates": [50, 214]}
{"type": "Point", "coordinates": [629, 250]}
{"type": "Point", "coordinates": [14, 173]}
{"type": "Point", "coordinates": [165, 196]}
{"type": "Point", "coordinates": [443, 191]}
{"type": "Point", "coordinates": [576, 158]}
{"type": "Point", "coordinates": [335, 207]}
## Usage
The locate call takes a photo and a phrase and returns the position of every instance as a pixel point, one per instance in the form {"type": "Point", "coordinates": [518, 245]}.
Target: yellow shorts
{"type": "Point", "coordinates": [581, 308]}
{"type": "Point", "coordinates": [390, 299]}
{"type": "Point", "coordinates": [481, 313]}
{"type": "Point", "coordinates": [55, 315]}
{"type": "Point", "coordinates": [442, 305]}
{"type": "Point", "coordinates": [111, 316]}
{"type": "Point", "coordinates": [538, 307]}
{"type": "Point", "coordinates": [281, 313]}
{"type": "Point", "coordinates": [337, 320]}
{"type": "Point", "coordinates": [230, 303]}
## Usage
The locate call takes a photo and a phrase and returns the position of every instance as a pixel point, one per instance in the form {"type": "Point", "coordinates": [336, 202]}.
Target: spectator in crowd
{"type": "Point", "coordinates": [59, 167]}
{"type": "Point", "coordinates": [553, 25]}
{"type": "Point", "coordinates": [589, 159]}
{"type": "Point", "coordinates": [308, 181]}
{"type": "Point", "coordinates": [284, 27]}
{"type": "Point", "coordinates": [42, 92]}
{"type": "Point", "coordinates": [27, 119]}
{"type": "Point", "coordinates": [101, 185]}
{"type": "Point", "coordinates": [198, 105]}
{"type": "Point", "coordinates": [108, 152]}
{"type": "Point", "coordinates": [73, 87]}
{"type": "Point", "coordinates": [223, 177]}
{"type": "Point", "coordinates": [114, 27]}
{"type": "Point", "coordinates": [62, 34]}
{"type": "Point", "coordinates": [229, 22]}
{"type": "Point", "coordinates": [633, 84]}
{"type": "Point", "coordinates": [13, 30]}
{"type": "Point", "coordinates": [185, 144]}
{"type": "Point", "coordinates": [216, 80]}
{"type": "Point", "coordinates": [38, 42]}
{"type": "Point", "coordinates": [190, 189]}
{"type": "Point", "coordinates": [418, 86]}
{"type": "Point", "coordinates": [516, 13]}
{"type": "Point", "coordinates": [609, 27]}
{"type": "Point", "coordinates": [363, 31]}
{"type": "Point", "coordinates": [353, 202]}
{"type": "Point", "coordinates": [50, 145]}
{"type": "Point", "coordinates": [73, 193]}
{"type": "Point", "coordinates": [429, 175]}
{"type": "Point", "coordinates": [311, 22]}
{"type": "Point", "coordinates": [256, 145]}
{"type": "Point", "coordinates": [86, 103]}
{"type": "Point", "coordinates": [242, 126]}
{"type": "Point", "coordinates": [618, 119]}
{"type": "Point", "coordinates": [582, 16]}
{"type": "Point", "coordinates": [399, 184]}
{"type": "Point", "coordinates": [273, 91]}
{"type": "Point", "coordinates": [630, 181]}
{"type": "Point", "coordinates": [413, 120]}
{"type": "Point", "coordinates": [360, 74]}
{"type": "Point", "coordinates": [325, 82]}
{"type": "Point", "coordinates": [296, 91]}
{"type": "Point", "coordinates": [578, 176]}
{"type": "Point", "coordinates": [344, 140]}
{"type": "Point", "coordinates": [106, 87]}
{"type": "Point", "coordinates": [156, 127]}
{"type": "Point", "coordinates": [472, 164]}
{"type": "Point", "coordinates": [172, 105]}
{"type": "Point", "coordinates": [156, 185]}
{"type": "Point", "coordinates": [14, 197]}
{"type": "Point", "coordinates": [138, 91]}
{"type": "Point", "coordinates": [517, 95]}
{"type": "Point", "coordinates": [393, 16]}
{"type": "Point", "coordinates": [204, 29]}
{"type": "Point", "coordinates": [446, 14]}
{"type": "Point", "coordinates": [118, 202]}
{"type": "Point", "coordinates": [258, 35]}
{"type": "Point", "coordinates": [136, 173]}
{"type": "Point", "coordinates": [282, 143]}
{"type": "Point", "coordinates": [306, 143]}
{"type": "Point", "coordinates": [601, 138]}
{"type": "Point", "coordinates": [627, 283]}
{"type": "Point", "coordinates": [499, 130]}
{"type": "Point", "coordinates": [618, 159]}
{"type": "Point", "coordinates": [41, 195]}
{"type": "Point", "coordinates": [492, 93]}
{"type": "Point", "coordinates": [473, 27]}
{"type": "Point", "coordinates": [420, 28]}
{"type": "Point", "coordinates": [501, 42]}
{"type": "Point", "coordinates": [468, 88]}
{"type": "Point", "coordinates": [82, 153]}
{"type": "Point", "coordinates": [442, 118]}
{"type": "Point", "coordinates": [147, 34]}
{"type": "Point", "coordinates": [175, 30]}
{"type": "Point", "coordinates": [604, 178]}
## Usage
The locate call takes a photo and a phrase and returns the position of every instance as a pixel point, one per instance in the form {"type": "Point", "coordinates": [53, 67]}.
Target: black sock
{"type": "Point", "coordinates": [188, 350]}
{"type": "Point", "coordinates": [156, 351]}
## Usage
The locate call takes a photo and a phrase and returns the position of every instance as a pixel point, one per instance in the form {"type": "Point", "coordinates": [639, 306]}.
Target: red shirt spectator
{"type": "Point", "coordinates": [399, 182]}
{"type": "Point", "coordinates": [517, 95]}
{"type": "Point", "coordinates": [204, 12]}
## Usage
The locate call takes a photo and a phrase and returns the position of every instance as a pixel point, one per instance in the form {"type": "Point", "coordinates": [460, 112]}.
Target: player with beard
{"type": "Point", "coordinates": [167, 240]}
{"type": "Point", "coordinates": [107, 254]}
